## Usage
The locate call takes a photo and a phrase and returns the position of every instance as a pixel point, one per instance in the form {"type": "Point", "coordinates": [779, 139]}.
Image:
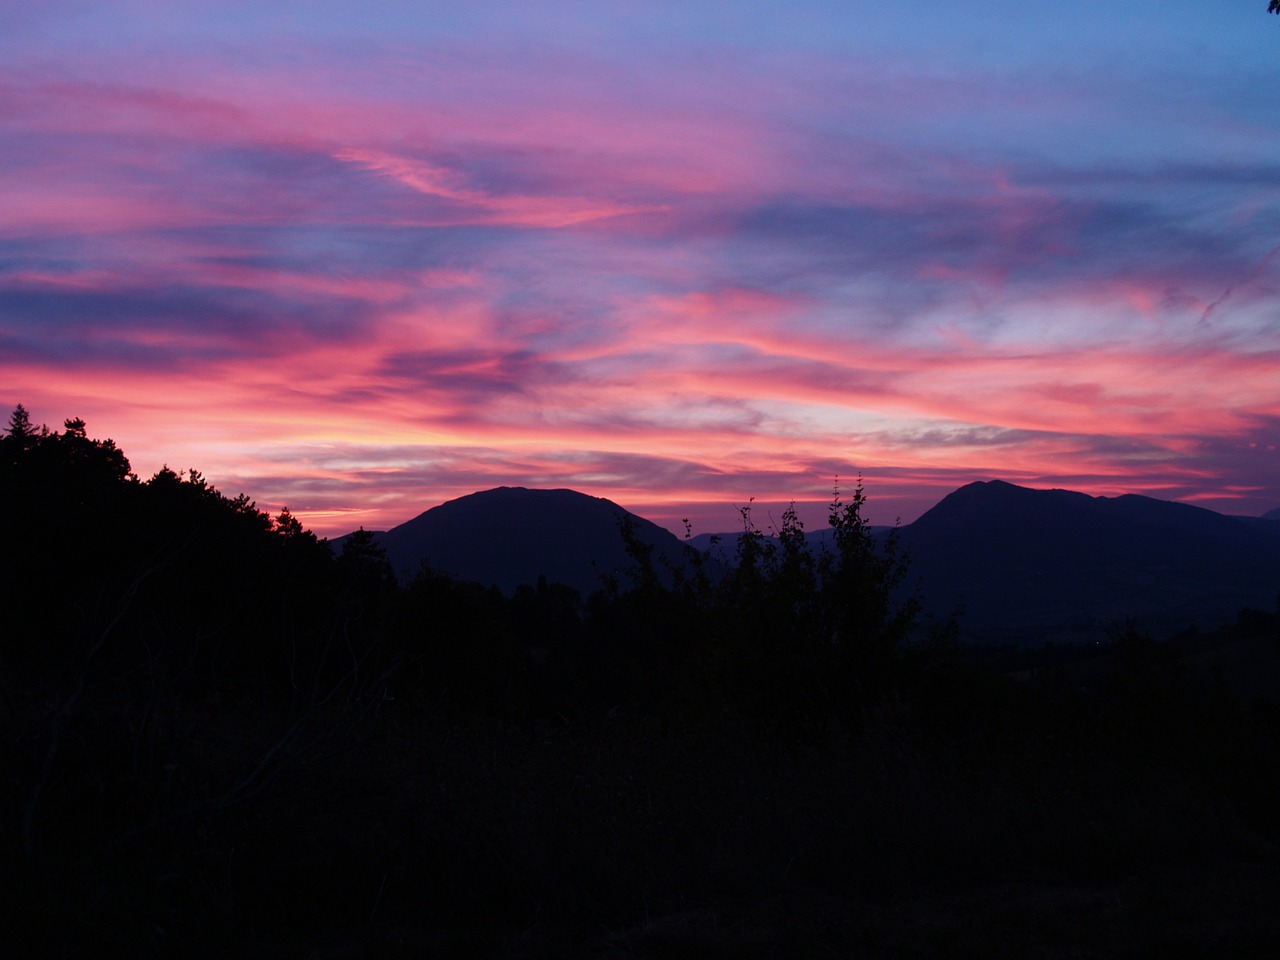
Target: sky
{"type": "Point", "coordinates": [360, 258]}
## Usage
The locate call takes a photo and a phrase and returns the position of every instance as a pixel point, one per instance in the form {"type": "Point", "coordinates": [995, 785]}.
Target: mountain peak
{"type": "Point", "coordinates": [1059, 562]}
{"type": "Point", "coordinates": [991, 500]}
{"type": "Point", "coordinates": [507, 536]}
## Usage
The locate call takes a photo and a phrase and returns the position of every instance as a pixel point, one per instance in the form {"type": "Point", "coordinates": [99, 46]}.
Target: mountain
{"type": "Point", "coordinates": [512, 535]}
{"type": "Point", "coordinates": [1021, 565]}
{"type": "Point", "coordinates": [1063, 566]}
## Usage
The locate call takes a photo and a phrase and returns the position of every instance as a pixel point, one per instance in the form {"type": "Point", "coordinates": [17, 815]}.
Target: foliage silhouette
{"type": "Point", "coordinates": [784, 638]}
{"type": "Point", "coordinates": [221, 737]}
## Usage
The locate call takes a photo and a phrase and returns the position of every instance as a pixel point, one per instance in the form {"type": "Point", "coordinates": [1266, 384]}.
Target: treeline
{"type": "Point", "coordinates": [224, 737]}
{"type": "Point", "coordinates": [166, 583]}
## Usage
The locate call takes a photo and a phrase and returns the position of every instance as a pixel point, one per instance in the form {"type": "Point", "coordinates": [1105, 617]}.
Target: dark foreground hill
{"type": "Point", "coordinates": [1056, 565]}
{"type": "Point", "coordinates": [223, 739]}
{"type": "Point", "coordinates": [512, 535]}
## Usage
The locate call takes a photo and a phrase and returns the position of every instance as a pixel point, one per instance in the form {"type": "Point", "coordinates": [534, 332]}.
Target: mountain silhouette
{"type": "Point", "coordinates": [1063, 566]}
{"type": "Point", "coordinates": [513, 535]}
{"type": "Point", "coordinates": [1021, 565]}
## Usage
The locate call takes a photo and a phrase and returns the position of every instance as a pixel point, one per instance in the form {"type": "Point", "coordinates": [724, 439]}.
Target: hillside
{"type": "Point", "coordinates": [1064, 566]}
{"type": "Point", "coordinates": [512, 535]}
{"type": "Point", "coordinates": [222, 732]}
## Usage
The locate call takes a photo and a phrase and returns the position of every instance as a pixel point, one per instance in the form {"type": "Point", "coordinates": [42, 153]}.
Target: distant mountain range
{"type": "Point", "coordinates": [1019, 565]}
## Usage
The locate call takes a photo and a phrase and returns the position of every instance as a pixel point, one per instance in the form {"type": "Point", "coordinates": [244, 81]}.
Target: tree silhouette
{"type": "Point", "coordinates": [20, 430]}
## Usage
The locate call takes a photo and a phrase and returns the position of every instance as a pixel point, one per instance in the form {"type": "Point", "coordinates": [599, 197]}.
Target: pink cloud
{"type": "Point", "coordinates": [479, 207]}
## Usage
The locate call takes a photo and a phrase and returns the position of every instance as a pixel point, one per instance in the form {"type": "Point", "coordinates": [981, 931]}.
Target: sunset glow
{"type": "Point", "coordinates": [358, 262]}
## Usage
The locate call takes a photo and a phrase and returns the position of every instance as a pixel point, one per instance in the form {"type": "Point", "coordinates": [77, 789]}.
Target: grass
{"type": "Point", "coordinates": [970, 814]}
{"type": "Point", "coordinates": [423, 835]}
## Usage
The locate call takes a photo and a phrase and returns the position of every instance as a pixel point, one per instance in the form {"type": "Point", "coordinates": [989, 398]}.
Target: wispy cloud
{"type": "Point", "coordinates": [468, 206]}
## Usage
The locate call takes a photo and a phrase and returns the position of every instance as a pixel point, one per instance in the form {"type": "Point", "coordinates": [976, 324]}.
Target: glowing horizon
{"type": "Point", "coordinates": [358, 262]}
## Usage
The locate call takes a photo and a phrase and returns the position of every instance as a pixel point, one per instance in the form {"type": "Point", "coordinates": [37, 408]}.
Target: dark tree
{"type": "Point", "coordinates": [20, 424]}
{"type": "Point", "coordinates": [17, 439]}
{"type": "Point", "coordinates": [364, 563]}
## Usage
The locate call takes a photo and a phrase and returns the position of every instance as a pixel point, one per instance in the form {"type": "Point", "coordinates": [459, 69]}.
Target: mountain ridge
{"type": "Point", "coordinates": [1019, 563]}
{"type": "Point", "coordinates": [1069, 566]}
